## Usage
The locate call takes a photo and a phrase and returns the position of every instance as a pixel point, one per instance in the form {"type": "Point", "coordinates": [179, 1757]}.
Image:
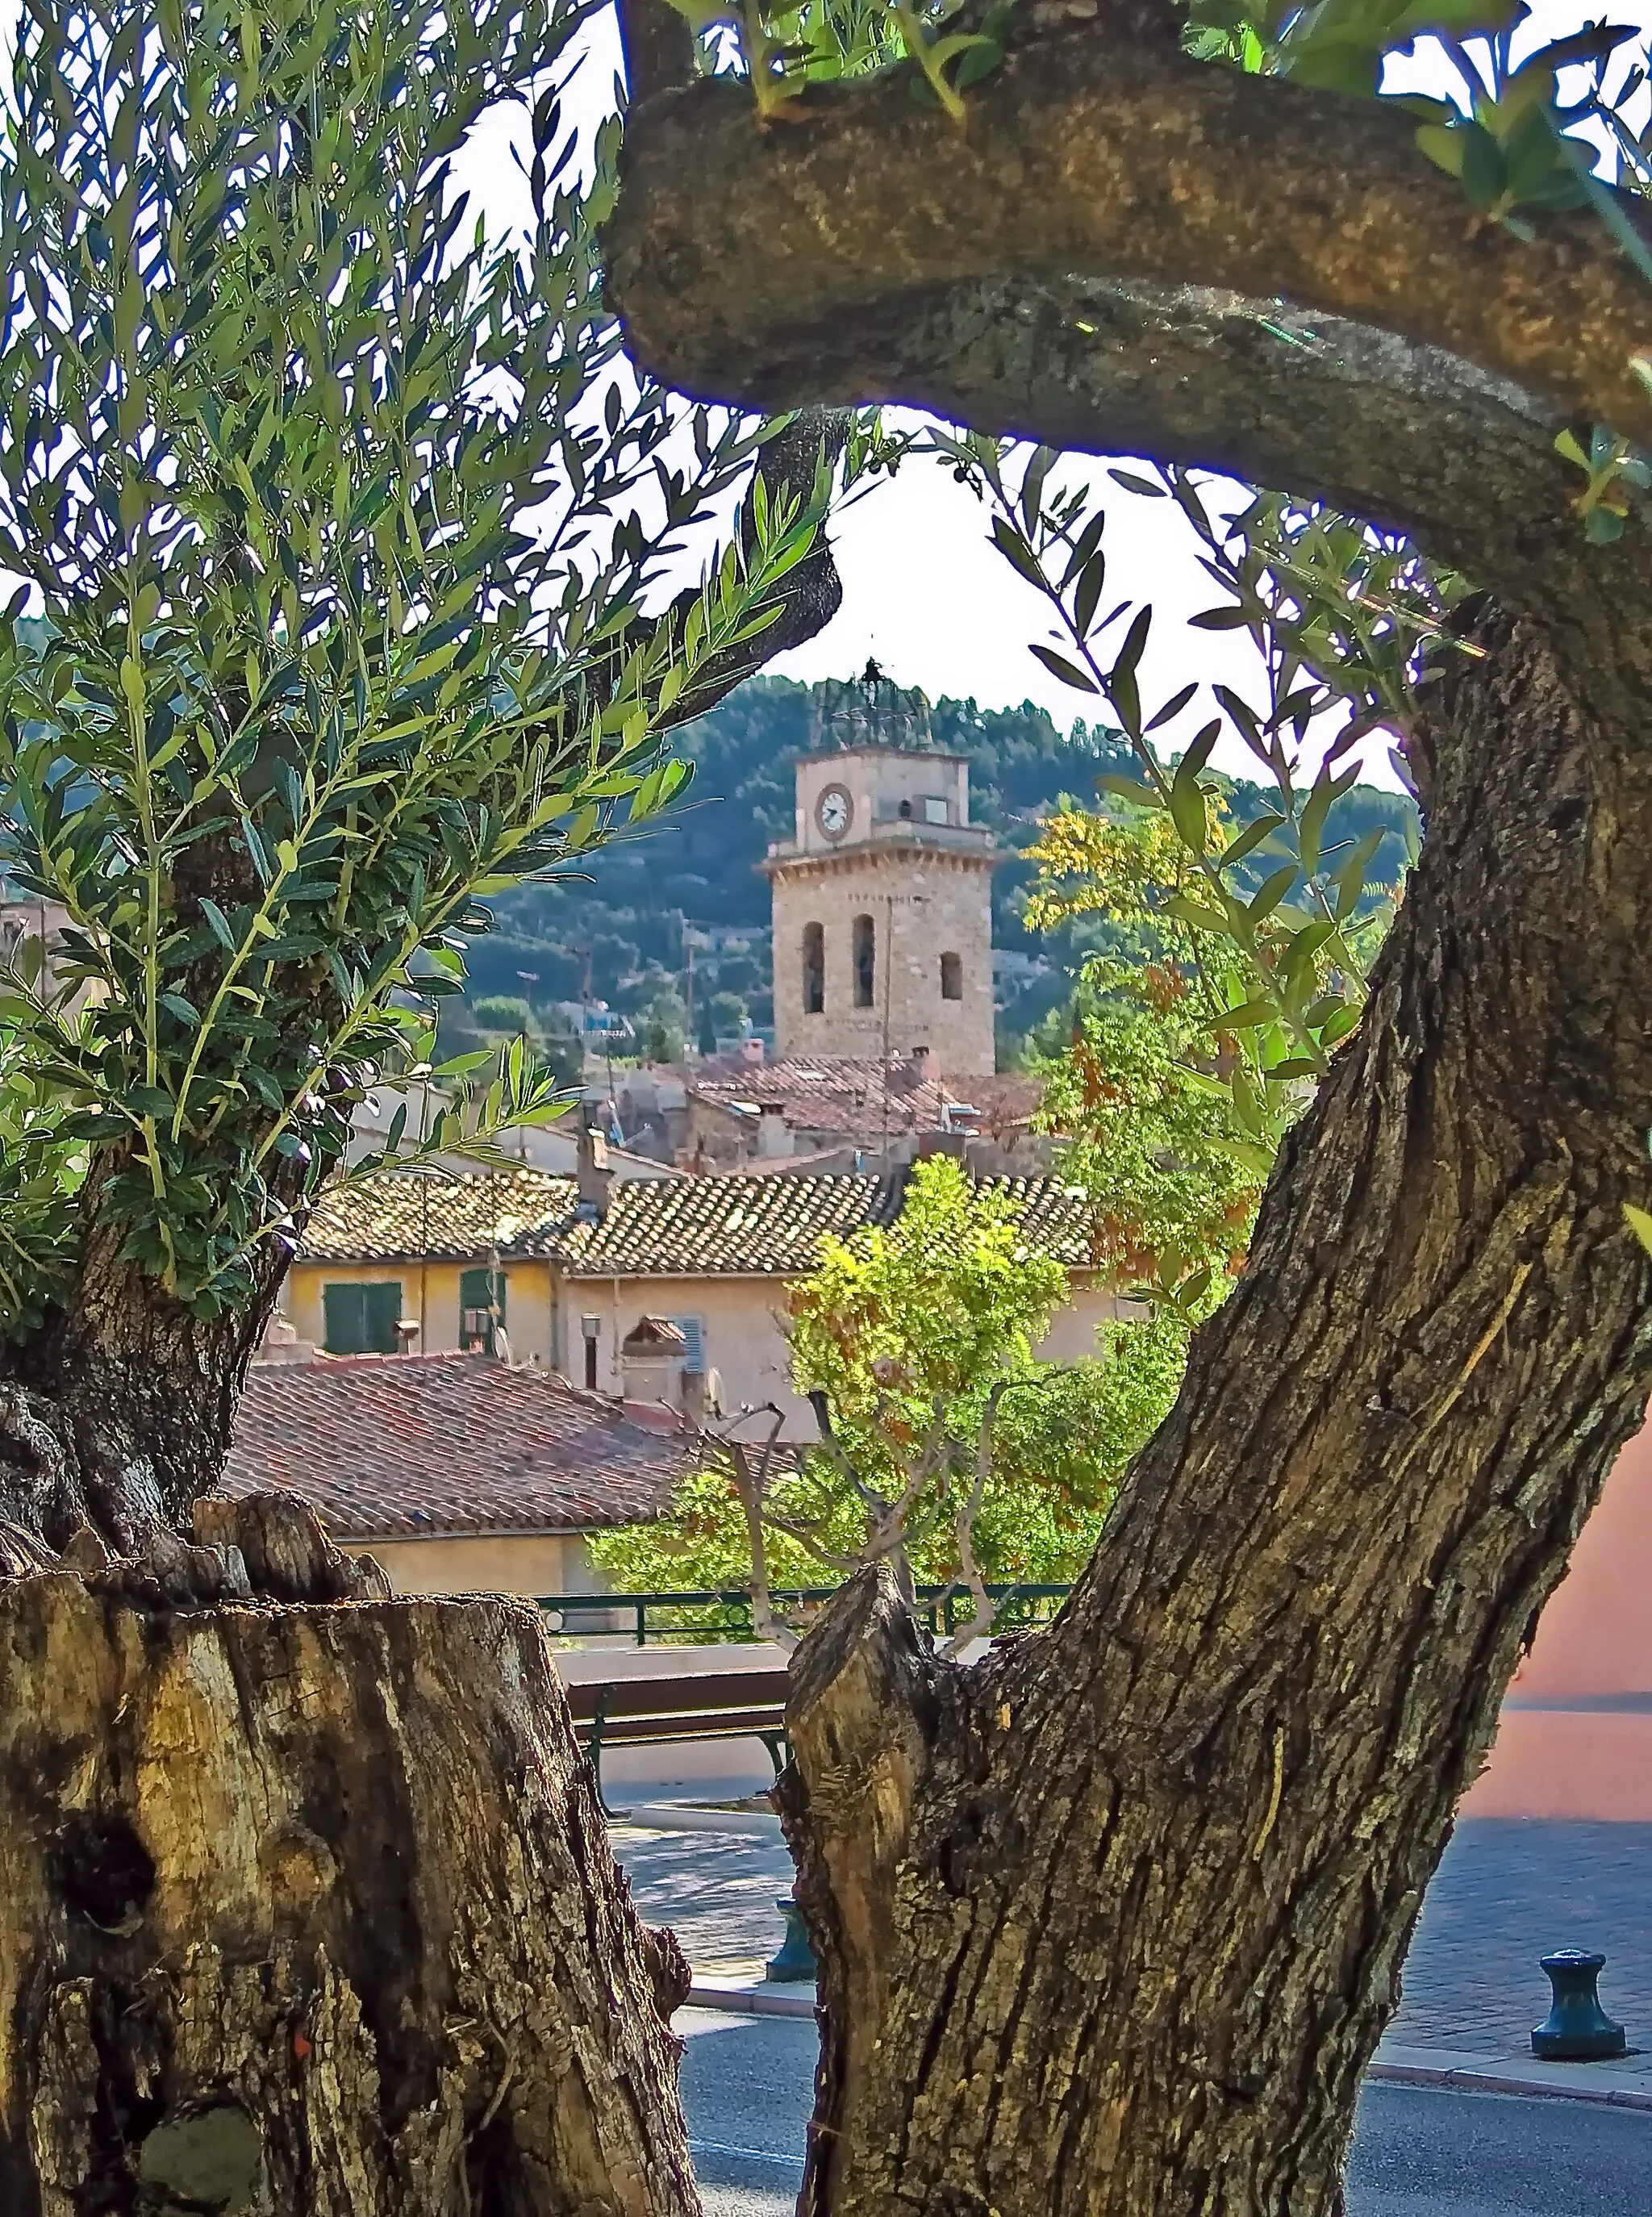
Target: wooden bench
{"type": "Point", "coordinates": [667, 1710]}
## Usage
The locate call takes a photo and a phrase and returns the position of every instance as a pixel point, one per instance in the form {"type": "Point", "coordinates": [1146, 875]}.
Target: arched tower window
{"type": "Point", "coordinates": [865, 962]}
{"type": "Point", "coordinates": [814, 969]}
{"type": "Point", "coordinates": [951, 977]}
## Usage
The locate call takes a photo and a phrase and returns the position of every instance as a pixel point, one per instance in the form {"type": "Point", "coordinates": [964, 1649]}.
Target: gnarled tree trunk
{"type": "Point", "coordinates": [308, 1907]}
{"type": "Point", "coordinates": [1112, 1922]}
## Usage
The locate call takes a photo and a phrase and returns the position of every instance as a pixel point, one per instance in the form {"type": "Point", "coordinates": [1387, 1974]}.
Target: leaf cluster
{"type": "Point", "coordinates": [341, 519]}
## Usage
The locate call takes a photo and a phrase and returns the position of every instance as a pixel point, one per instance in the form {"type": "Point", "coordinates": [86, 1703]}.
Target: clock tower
{"type": "Point", "coordinates": [883, 913]}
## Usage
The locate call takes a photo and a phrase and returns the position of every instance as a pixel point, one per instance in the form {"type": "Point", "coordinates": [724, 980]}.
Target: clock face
{"type": "Point", "coordinates": [834, 812]}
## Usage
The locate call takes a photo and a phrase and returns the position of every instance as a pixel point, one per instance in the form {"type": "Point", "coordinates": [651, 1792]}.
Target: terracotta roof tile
{"type": "Point", "coordinates": [406, 1447]}
{"type": "Point", "coordinates": [859, 1098]}
{"type": "Point", "coordinates": [733, 1227]}
{"type": "Point", "coordinates": [746, 1224]}
{"type": "Point", "coordinates": [395, 1216]}
{"type": "Point", "coordinates": [1055, 1217]}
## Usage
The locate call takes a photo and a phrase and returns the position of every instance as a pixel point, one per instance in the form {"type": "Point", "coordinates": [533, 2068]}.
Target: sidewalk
{"type": "Point", "coordinates": [1507, 1892]}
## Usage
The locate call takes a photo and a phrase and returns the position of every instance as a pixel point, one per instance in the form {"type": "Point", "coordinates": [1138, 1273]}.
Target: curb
{"type": "Point", "coordinates": [1466, 2078]}
{"type": "Point", "coordinates": [765, 2000]}
{"type": "Point", "coordinates": [1453, 2076]}
{"type": "Point", "coordinates": [686, 1817]}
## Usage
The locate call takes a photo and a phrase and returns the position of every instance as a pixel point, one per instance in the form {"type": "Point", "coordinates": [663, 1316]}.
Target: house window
{"type": "Point", "coordinates": [481, 1307]}
{"type": "Point", "coordinates": [951, 977]}
{"type": "Point", "coordinates": [693, 1335]}
{"type": "Point", "coordinates": [362, 1319]}
{"type": "Point", "coordinates": [865, 962]}
{"type": "Point", "coordinates": [814, 969]}
{"type": "Point", "coordinates": [935, 809]}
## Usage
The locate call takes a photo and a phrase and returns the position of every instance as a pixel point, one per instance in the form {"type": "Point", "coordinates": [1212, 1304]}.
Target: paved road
{"type": "Point", "coordinates": [1416, 2152]}
{"type": "Point", "coordinates": [1505, 1892]}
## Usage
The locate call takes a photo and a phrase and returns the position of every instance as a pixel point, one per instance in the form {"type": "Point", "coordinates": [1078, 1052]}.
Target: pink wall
{"type": "Point", "coordinates": [1569, 1745]}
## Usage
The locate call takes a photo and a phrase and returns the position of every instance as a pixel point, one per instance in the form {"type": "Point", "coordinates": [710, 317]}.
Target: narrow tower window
{"type": "Point", "coordinates": [814, 969]}
{"type": "Point", "coordinates": [951, 977]}
{"type": "Point", "coordinates": [865, 962]}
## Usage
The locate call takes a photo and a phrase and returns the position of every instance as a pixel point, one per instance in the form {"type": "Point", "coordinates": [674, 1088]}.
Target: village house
{"type": "Point", "coordinates": [456, 1472]}
{"type": "Point", "coordinates": [559, 1272]}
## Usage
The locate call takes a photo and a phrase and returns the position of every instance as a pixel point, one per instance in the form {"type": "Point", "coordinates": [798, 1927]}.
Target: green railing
{"type": "Point", "coordinates": [707, 1617]}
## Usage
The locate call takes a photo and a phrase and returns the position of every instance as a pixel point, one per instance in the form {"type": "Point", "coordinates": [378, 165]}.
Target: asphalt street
{"type": "Point", "coordinates": [1417, 2153]}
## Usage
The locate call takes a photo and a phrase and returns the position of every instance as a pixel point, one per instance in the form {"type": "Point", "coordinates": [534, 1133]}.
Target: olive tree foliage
{"type": "Point", "coordinates": [1267, 932]}
{"type": "Point", "coordinates": [338, 528]}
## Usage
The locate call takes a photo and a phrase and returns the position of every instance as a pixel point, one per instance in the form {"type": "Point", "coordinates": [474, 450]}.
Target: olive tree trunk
{"type": "Point", "coordinates": [307, 1910]}
{"type": "Point", "coordinates": [1112, 1922]}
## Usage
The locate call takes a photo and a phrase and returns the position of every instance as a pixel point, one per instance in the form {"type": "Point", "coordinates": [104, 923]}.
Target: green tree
{"type": "Point", "coordinates": [947, 1447]}
{"type": "Point", "coordinates": [1425, 335]}
{"type": "Point", "coordinates": [348, 536]}
{"type": "Point", "coordinates": [726, 1015]}
{"type": "Point", "coordinates": [661, 1030]}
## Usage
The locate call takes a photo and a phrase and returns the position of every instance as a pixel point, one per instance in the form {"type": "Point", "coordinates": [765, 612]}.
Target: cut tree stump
{"type": "Point", "coordinates": [307, 1910]}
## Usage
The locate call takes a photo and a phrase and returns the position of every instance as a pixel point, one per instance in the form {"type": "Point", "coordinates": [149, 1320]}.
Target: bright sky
{"type": "Point", "coordinates": [924, 592]}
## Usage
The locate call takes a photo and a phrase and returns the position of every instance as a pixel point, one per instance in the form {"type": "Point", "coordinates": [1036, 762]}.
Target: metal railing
{"type": "Point", "coordinates": [713, 1616]}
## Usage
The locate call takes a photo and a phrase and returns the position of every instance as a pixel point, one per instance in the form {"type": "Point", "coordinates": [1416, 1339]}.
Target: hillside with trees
{"type": "Point", "coordinates": [613, 928]}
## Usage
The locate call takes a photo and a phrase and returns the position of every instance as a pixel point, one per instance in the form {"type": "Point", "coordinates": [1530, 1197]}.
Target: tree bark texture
{"type": "Point", "coordinates": [1112, 1922]}
{"type": "Point", "coordinates": [824, 258]}
{"type": "Point", "coordinates": [307, 1910]}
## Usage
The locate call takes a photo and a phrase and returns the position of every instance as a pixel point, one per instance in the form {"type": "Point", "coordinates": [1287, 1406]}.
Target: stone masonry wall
{"type": "Point", "coordinates": [926, 905]}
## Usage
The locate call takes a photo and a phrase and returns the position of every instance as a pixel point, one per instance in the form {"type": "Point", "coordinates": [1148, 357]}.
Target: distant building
{"type": "Point", "coordinates": [561, 1272]}
{"type": "Point", "coordinates": [455, 1471]}
{"type": "Point", "coordinates": [28, 926]}
{"type": "Point", "coordinates": [883, 913]}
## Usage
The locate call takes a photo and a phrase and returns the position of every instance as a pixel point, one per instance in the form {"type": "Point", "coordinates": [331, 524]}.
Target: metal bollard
{"type": "Point", "coordinates": [794, 1959]}
{"type": "Point", "coordinates": [1577, 2029]}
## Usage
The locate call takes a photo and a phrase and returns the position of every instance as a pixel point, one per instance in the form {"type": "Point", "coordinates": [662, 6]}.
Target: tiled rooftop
{"type": "Point", "coordinates": [730, 1226]}
{"type": "Point", "coordinates": [393, 1216]}
{"type": "Point", "coordinates": [407, 1447]}
{"type": "Point", "coordinates": [861, 1099]}
{"type": "Point", "coordinates": [746, 1225]}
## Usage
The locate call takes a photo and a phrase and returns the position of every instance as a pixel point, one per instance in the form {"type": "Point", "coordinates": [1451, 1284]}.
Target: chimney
{"type": "Point", "coordinates": [594, 1176]}
{"type": "Point", "coordinates": [702, 1395]}
{"type": "Point", "coordinates": [773, 1133]}
{"type": "Point", "coordinates": [925, 1069]}
{"type": "Point", "coordinates": [651, 1357]}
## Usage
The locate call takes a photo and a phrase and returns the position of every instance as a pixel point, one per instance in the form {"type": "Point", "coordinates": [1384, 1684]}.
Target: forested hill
{"type": "Point", "coordinates": [618, 931]}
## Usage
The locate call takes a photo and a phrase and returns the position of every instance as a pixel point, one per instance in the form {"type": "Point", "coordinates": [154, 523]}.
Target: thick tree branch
{"type": "Point", "coordinates": [809, 596]}
{"type": "Point", "coordinates": [871, 250]}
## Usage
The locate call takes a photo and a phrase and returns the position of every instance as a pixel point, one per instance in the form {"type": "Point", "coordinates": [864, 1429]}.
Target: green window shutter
{"type": "Point", "coordinates": [383, 1312]}
{"type": "Point", "coordinates": [346, 1319]}
{"type": "Point", "coordinates": [481, 1302]}
{"type": "Point", "coordinates": [362, 1319]}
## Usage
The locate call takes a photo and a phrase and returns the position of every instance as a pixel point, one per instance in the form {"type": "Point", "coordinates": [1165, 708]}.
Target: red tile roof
{"type": "Point", "coordinates": [409, 1447]}
{"type": "Point", "coordinates": [446, 1216]}
{"type": "Point", "coordinates": [856, 1097]}
{"type": "Point", "coordinates": [748, 1223]}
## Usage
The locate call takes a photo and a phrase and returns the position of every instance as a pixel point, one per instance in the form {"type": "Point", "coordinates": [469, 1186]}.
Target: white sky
{"type": "Point", "coordinates": [924, 592]}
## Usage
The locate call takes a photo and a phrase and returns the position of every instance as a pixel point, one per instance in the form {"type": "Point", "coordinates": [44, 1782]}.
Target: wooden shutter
{"type": "Point", "coordinates": [362, 1319]}
{"type": "Point", "coordinates": [381, 1313]}
{"type": "Point", "coordinates": [481, 1293]}
{"type": "Point", "coordinates": [346, 1317]}
{"type": "Point", "coordinates": [693, 1353]}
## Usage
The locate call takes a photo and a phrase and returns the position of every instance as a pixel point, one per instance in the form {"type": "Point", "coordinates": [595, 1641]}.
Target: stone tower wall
{"type": "Point", "coordinates": [928, 904]}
